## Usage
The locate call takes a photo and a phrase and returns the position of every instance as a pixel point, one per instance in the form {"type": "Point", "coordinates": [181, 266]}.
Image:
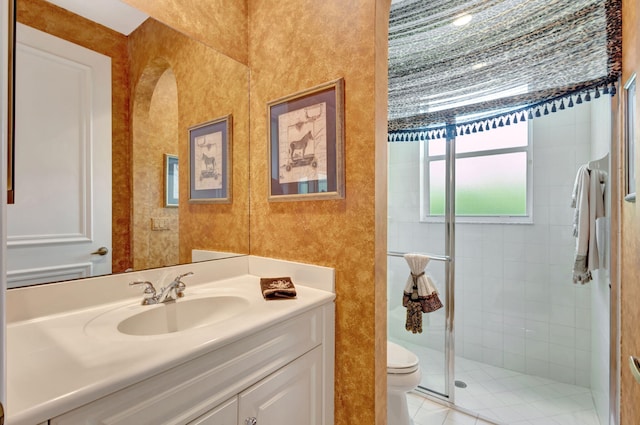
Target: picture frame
{"type": "Point", "coordinates": [210, 162]}
{"type": "Point", "coordinates": [629, 106]}
{"type": "Point", "coordinates": [170, 181]}
{"type": "Point", "coordinates": [306, 144]}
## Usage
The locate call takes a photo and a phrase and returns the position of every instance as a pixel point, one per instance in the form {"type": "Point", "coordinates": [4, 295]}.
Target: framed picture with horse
{"type": "Point", "coordinates": [210, 161]}
{"type": "Point", "coordinates": [306, 144]}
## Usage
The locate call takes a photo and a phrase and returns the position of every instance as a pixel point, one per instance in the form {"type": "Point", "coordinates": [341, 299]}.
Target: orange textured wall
{"type": "Point", "coordinates": [629, 235]}
{"type": "Point", "coordinates": [61, 23]}
{"type": "Point", "coordinates": [155, 133]}
{"type": "Point", "coordinates": [312, 43]}
{"type": "Point", "coordinates": [381, 101]}
{"type": "Point", "coordinates": [210, 85]}
{"type": "Point", "coordinates": [221, 24]}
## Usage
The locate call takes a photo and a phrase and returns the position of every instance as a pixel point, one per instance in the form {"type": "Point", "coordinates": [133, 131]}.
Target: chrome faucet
{"type": "Point", "coordinates": [171, 292]}
{"type": "Point", "coordinates": [174, 290]}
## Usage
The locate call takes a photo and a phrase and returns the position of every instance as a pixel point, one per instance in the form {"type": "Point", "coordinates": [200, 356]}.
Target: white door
{"type": "Point", "coordinates": [62, 210]}
{"type": "Point", "coordinates": [290, 396]}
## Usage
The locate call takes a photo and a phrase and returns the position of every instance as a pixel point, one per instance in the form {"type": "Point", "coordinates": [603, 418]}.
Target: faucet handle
{"type": "Point", "coordinates": [180, 289]}
{"type": "Point", "coordinates": [149, 291]}
{"type": "Point", "coordinates": [177, 279]}
{"type": "Point", "coordinates": [180, 286]}
{"type": "Point", "coordinates": [148, 288]}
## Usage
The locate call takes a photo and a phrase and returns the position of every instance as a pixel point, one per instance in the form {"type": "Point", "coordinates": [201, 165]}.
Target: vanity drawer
{"type": "Point", "coordinates": [185, 392]}
{"type": "Point", "coordinates": [225, 414]}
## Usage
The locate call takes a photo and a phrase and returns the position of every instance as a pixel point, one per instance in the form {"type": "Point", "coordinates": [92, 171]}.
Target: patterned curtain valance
{"type": "Point", "coordinates": [512, 58]}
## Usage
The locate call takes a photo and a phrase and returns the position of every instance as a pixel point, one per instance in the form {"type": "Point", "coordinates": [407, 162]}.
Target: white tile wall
{"type": "Point", "coordinates": [516, 305]}
{"type": "Point", "coordinates": [595, 347]}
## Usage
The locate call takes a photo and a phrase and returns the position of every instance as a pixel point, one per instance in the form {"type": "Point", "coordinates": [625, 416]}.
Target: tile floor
{"type": "Point", "coordinates": [500, 396]}
{"type": "Point", "coordinates": [427, 412]}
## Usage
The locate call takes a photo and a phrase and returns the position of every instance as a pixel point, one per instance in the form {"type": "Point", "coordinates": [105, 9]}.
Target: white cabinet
{"type": "Point", "coordinates": [281, 375]}
{"type": "Point", "coordinates": [290, 396]}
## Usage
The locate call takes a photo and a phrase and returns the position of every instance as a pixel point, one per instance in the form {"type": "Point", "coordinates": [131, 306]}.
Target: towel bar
{"type": "Point", "coordinates": [432, 256]}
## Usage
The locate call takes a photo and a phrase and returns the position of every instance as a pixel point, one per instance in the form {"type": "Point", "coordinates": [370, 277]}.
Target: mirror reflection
{"type": "Point", "coordinates": [93, 100]}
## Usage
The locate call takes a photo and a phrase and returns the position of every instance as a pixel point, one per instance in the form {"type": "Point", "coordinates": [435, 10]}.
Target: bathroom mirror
{"type": "Point", "coordinates": [162, 83]}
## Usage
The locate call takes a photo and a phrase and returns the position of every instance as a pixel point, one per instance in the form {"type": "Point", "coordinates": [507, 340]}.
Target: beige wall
{"type": "Point", "coordinates": [221, 24]}
{"type": "Point", "coordinates": [209, 85]}
{"type": "Point", "coordinates": [628, 237]}
{"type": "Point", "coordinates": [319, 42]}
{"type": "Point", "coordinates": [61, 23]}
{"type": "Point", "coordinates": [155, 133]}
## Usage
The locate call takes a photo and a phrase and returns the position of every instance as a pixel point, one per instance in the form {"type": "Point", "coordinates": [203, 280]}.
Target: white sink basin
{"type": "Point", "coordinates": [167, 318]}
{"type": "Point", "coordinates": [182, 315]}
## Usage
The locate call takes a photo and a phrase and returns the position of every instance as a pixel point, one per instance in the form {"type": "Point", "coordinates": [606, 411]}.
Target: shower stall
{"type": "Point", "coordinates": [517, 341]}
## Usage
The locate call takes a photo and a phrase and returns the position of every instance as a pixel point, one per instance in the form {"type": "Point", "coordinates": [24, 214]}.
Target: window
{"type": "Point", "coordinates": [493, 176]}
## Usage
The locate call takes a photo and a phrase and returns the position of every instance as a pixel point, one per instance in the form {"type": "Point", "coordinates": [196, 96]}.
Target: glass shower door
{"type": "Point", "coordinates": [434, 238]}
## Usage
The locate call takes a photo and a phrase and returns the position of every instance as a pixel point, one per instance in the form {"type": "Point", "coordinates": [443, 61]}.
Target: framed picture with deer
{"type": "Point", "coordinates": [210, 161]}
{"type": "Point", "coordinates": [306, 144]}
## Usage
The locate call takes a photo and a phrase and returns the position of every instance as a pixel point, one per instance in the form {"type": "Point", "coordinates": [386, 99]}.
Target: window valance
{"type": "Point", "coordinates": [479, 63]}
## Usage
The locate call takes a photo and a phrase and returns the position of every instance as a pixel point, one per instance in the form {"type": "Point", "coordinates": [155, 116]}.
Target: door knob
{"type": "Point", "coordinates": [248, 421]}
{"type": "Point", "coordinates": [103, 250]}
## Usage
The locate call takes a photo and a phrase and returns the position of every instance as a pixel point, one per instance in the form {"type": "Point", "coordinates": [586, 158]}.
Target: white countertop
{"type": "Point", "coordinates": [59, 362]}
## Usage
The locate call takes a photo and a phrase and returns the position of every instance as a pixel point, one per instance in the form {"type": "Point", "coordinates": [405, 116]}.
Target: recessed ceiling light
{"type": "Point", "coordinates": [462, 20]}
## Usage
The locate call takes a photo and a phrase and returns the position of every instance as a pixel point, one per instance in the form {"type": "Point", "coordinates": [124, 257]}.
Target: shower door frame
{"type": "Point", "coordinates": [449, 259]}
{"type": "Point", "coordinates": [449, 249]}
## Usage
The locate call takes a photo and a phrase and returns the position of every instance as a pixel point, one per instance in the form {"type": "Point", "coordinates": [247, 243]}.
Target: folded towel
{"type": "Point", "coordinates": [420, 294]}
{"type": "Point", "coordinates": [277, 287]}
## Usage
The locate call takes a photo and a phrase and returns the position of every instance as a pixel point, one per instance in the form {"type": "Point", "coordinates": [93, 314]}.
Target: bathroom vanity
{"type": "Point", "coordinates": [224, 356]}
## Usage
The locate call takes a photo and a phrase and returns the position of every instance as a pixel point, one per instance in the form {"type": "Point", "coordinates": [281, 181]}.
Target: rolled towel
{"type": "Point", "coordinates": [420, 294]}
{"type": "Point", "coordinates": [277, 287]}
{"type": "Point", "coordinates": [419, 287]}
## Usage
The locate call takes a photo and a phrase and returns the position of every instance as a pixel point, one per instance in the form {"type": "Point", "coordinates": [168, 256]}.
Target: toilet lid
{"type": "Point", "coordinates": [400, 360]}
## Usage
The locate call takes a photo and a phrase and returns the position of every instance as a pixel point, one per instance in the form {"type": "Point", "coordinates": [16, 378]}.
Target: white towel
{"type": "Point", "coordinates": [580, 201]}
{"type": "Point", "coordinates": [588, 201]}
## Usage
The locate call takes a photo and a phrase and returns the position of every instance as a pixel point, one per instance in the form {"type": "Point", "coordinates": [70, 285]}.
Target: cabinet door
{"type": "Point", "coordinates": [225, 414]}
{"type": "Point", "coordinates": [290, 396]}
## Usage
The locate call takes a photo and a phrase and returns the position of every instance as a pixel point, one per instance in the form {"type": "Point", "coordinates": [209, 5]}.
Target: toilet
{"type": "Point", "coordinates": [403, 375]}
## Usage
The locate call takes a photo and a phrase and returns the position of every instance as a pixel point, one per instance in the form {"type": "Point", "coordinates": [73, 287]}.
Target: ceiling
{"type": "Point", "coordinates": [113, 14]}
